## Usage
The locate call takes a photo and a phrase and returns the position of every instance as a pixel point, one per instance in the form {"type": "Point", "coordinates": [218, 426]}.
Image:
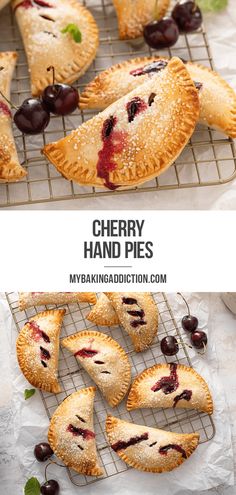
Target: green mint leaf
{"type": "Point", "coordinates": [212, 5]}
{"type": "Point", "coordinates": [29, 393]}
{"type": "Point", "coordinates": [74, 31]}
{"type": "Point", "coordinates": [32, 487]}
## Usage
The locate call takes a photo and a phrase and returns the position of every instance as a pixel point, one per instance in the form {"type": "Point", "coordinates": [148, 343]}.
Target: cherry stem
{"type": "Point", "coordinates": [52, 68]}
{"type": "Point", "coordinates": [156, 10]}
{"type": "Point", "coordinates": [47, 466]}
{"type": "Point", "coordinates": [183, 344]}
{"type": "Point", "coordinates": [181, 295]}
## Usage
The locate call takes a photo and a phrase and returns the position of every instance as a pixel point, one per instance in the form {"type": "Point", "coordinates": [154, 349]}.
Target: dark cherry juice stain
{"type": "Point", "coordinates": [121, 445]}
{"type": "Point", "coordinates": [129, 301]}
{"type": "Point", "coordinates": [81, 432]}
{"type": "Point", "coordinates": [198, 85]}
{"type": "Point", "coordinates": [134, 107]}
{"type": "Point", "coordinates": [137, 323]}
{"type": "Point", "coordinates": [139, 314]}
{"type": "Point", "coordinates": [172, 446]}
{"type": "Point", "coordinates": [4, 109]}
{"type": "Point", "coordinates": [151, 99]}
{"type": "Point", "coordinates": [186, 395]}
{"type": "Point", "coordinates": [44, 353]}
{"type": "Point", "coordinates": [41, 3]}
{"type": "Point", "coordinates": [86, 353]}
{"type": "Point", "coordinates": [155, 66]}
{"type": "Point", "coordinates": [168, 384]}
{"type": "Point", "coordinates": [38, 334]}
{"type": "Point", "coordinates": [113, 143]}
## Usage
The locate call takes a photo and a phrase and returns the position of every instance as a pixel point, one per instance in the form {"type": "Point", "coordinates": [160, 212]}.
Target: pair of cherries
{"type": "Point", "coordinates": [33, 116]}
{"type": "Point", "coordinates": [170, 346]}
{"type": "Point", "coordinates": [186, 17]}
{"type": "Point", "coordinates": [42, 453]}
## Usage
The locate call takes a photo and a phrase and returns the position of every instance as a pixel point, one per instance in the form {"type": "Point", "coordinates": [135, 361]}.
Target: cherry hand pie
{"type": "Point", "coordinates": [133, 16]}
{"type": "Point", "coordinates": [138, 315]}
{"type": "Point", "coordinates": [217, 98]}
{"type": "Point", "coordinates": [149, 449]}
{"type": "Point", "coordinates": [10, 168]}
{"type": "Point", "coordinates": [29, 299]}
{"type": "Point", "coordinates": [103, 313]}
{"type": "Point", "coordinates": [49, 41]}
{"type": "Point", "coordinates": [104, 360]}
{"type": "Point", "coordinates": [170, 385]}
{"type": "Point", "coordinates": [37, 348]}
{"type": "Point", "coordinates": [71, 433]}
{"type": "Point", "coordinates": [136, 138]}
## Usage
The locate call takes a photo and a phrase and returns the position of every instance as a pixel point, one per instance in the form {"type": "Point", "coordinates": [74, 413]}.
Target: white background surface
{"type": "Point", "coordinates": [222, 330]}
{"type": "Point", "coordinates": [221, 29]}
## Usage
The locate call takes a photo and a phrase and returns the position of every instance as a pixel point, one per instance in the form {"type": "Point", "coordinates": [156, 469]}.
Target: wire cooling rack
{"type": "Point", "coordinates": [209, 158]}
{"type": "Point", "coordinates": [72, 378]}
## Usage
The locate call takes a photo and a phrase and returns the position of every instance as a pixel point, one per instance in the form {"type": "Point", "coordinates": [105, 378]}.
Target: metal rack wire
{"type": "Point", "coordinates": [209, 159]}
{"type": "Point", "coordinates": [73, 378]}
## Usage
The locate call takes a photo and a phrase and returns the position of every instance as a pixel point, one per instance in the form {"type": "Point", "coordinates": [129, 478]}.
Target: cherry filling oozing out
{"type": "Point", "coordinates": [153, 67]}
{"type": "Point", "coordinates": [136, 313]}
{"type": "Point", "coordinates": [27, 4]}
{"type": "Point", "coordinates": [135, 107]}
{"type": "Point", "coordinates": [45, 354]}
{"type": "Point", "coordinates": [77, 432]}
{"type": "Point", "coordinates": [113, 142]}
{"type": "Point", "coordinates": [168, 384]}
{"type": "Point", "coordinates": [121, 444]}
{"type": "Point", "coordinates": [4, 109]}
{"type": "Point", "coordinates": [172, 446]}
{"type": "Point", "coordinates": [86, 353]}
{"type": "Point", "coordinates": [186, 395]}
{"type": "Point", "coordinates": [38, 334]}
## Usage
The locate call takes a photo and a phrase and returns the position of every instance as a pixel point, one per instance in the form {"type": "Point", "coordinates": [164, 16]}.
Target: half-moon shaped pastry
{"type": "Point", "coordinates": [51, 35]}
{"type": "Point", "coordinates": [217, 98]}
{"type": "Point", "coordinates": [29, 299]}
{"type": "Point", "coordinates": [149, 449]}
{"type": "Point", "coordinates": [133, 16]}
{"type": "Point", "coordinates": [10, 168]}
{"type": "Point", "coordinates": [136, 138]}
{"type": "Point", "coordinates": [71, 433]}
{"type": "Point", "coordinates": [103, 313]}
{"type": "Point", "coordinates": [170, 385]}
{"type": "Point", "coordinates": [104, 360]}
{"type": "Point", "coordinates": [37, 349]}
{"type": "Point", "coordinates": [138, 315]}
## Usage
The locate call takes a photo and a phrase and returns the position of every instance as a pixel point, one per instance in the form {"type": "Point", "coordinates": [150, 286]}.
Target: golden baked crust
{"type": "Point", "coordinates": [37, 349]}
{"type": "Point", "coordinates": [145, 454]}
{"type": "Point", "coordinates": [71, 433]}
{"type": "Point", "coordinates": [135, 139]}
{"type": "Point", "coordinates": [217, 98]}
{"type": "Point", "coordinates": [46, 45]}
{"type": "Point", "coordinates": [10, 168]}
{"type": "Point", "coordinates": [29, 299]}
{"type": "Point", "coordinates": [3, 3]}
{"type": "Point", "coordinates": [141, 327]}
{"type": "Point", "coordinates": [133, 16]}
{"type": "Point", "coordinates": [103, 313]}
{"type": "Point", "coordinates": [104, 360]}
{"type": "Point", "coordinates": [189, 389]}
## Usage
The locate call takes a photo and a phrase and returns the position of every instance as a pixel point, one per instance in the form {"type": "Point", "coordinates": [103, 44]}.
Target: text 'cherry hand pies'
{"type": "Point", "coordinates": [133, 16]}
{"type": "Point", "coordinates": [217, 98]}
{"type": "Point", "coordinates": [10, 168]}
{"type": "Point", "coordinates": [29, 299]}
{"type": "Point", "coordinates": [71, 433]}
{"type": "Point", "coordinates": [104, 360]}
{"type": "Point", "coordinates": [47, 28]}
{"type": "Point", "coordinates": [138, 315]}
{"type": "Point", "coordinates": [170, 385]}
{"type": "Point", "coordinates": [149, 449]}
{"type": "Point", "coordinates": [37, 348]}
{"type": "Point", "coordinates": [136, 138]}
{"type": "Point", "coordinates": [103, 313]}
